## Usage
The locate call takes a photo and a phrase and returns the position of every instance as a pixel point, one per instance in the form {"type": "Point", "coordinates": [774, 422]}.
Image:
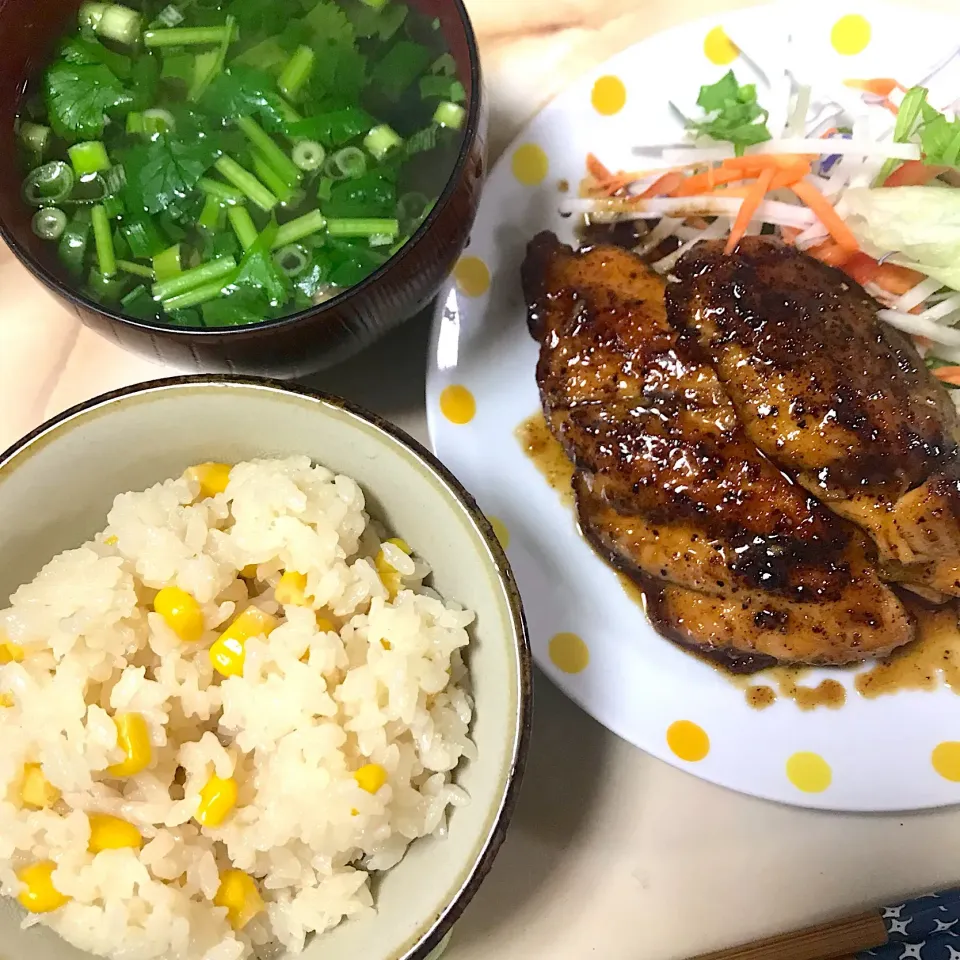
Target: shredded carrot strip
{"type": "Point", "coordinates": [791, 175]}
{"type": "Point", "coordinates": [824, 211]}
{"type": "Point", "coordinates": [948, 374]}
{"type": "Point", "coordinates": [756, 164]}
{"type": "Point", "coordinates": [596, 169]}
{"type": "Point", "coordinates": [828, 133]}
{"type": "Point", "coordinates": [891, 106]}
{"type": "Point", "coordinates": [880, 86]}
{"type": "Point", "coordinates": [731, 193]}
{"type": "Point", "coordinates": [747, 209]}
{"type": "Point", "coordinates": [664, 186]}
{"type": "Point", "coordinates": [890, 277]}
{"type": "Point", "coordinates": [830, 253]}
{"type": "Point", "coordinates": [704, 182]}
{"type": "Point", "coordinates": [914, 173]}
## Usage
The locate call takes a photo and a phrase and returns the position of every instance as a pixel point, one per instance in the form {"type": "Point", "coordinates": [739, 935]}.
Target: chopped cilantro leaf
{"type": "Point", "coordinates": [258, 272]}
{"type": "Point", "coordinates": [732, 113]}
{"type": "Point", "coordinates": [401, 65]}
{"type": "Point", "coordinates": [78, 97]}
{"type": "Point", "coordinates": [241, 91]}
{"type": "Point", "coordinates": [161, 174]}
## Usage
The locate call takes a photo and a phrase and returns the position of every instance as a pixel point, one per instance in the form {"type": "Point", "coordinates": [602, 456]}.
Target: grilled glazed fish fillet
{"type": "Point", "coordinates": [671, 490]}
{"type": "Point", "coordinates": [839, 400]}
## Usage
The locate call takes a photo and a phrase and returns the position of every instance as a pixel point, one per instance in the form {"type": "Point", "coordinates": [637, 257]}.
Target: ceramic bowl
{"type": "Point", "coordinates": [291, 346]}
{"type": "Point", "coordinates": [58, 483]}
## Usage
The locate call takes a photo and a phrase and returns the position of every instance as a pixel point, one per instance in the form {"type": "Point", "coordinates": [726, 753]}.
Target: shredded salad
{"type": "Point", "coordinates": [864, 181]}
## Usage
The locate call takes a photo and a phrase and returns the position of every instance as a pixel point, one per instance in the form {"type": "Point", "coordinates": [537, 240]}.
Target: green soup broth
{"type": "Point", "coordinates": [207, 163]}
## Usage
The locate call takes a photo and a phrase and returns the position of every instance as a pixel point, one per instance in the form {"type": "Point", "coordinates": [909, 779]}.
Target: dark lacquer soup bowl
{"type": "Point", "coordinates": [300, 343]}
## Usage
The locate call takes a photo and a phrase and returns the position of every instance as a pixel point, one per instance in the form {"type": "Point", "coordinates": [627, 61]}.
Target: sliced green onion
{"type": "Point", "coordinates": [246, 182]}
{"type": "Point", "coordinates": [48, 184]}
{"type": "Point", "coordinates": [444, 65]}
{"type": "Point", "coordinates": [361, 227]}
{"type": "Point", "coordinates": [196, 296]}
{"type": "Point", "coordinates": [449, 115]}
{"type": "Point", "coordinates": [297, 229]}
{"type": "Point", "coordinates": [277, 159]}
{"type": "Point", "coordinates": [142, 236]}
{"type": "Point", "coordinates": [190, 279]}
{"type": "Point", "coordinates": [243, 226]}
{"type": "Point", "coordinates": [292, 259]}
{"type": "Point", "coordinates": [167, 264]}
{"type": "Point", "coordinates": [134, 123]}
{"type": "Point", "coordinates": [114, 206]}
{"type": "Point", "coordinates": [297, 72]}
{"type": "Point", "coordinates": [213, 215]}
{"type": "Point", "coordinates": [73, 243]}
{"type": "Point", "coordinates": [90, 14]}
{"type": "Point", "coordinates": [222, 191]}
{"type": "Point", "coordinates": [115, 179]}
{"type": "Point", "coordinates": [381, 140]}
{"type": "Point", "coordinates": [49, 223]}
{"type": "Point", "coordinates": [295, 200]}
{"type": "Point", "coordinates": [350, 162]}
{"type": "Point", "coordinates": [137, 269]}
{"type": "Point", "coordinates": [89, 157]}
{"type": "Point", "coordinates": [104, 241]}
{"type": "Point", "coordinates": [209, 65]}
{"type": "Point", "coordinates": [88, 191]}
{"type": "Point", "coordinates": [157, 121]}
{"type": "Point", "coordinates": [270, 177]}
{"type": "Point", "coordinates": [35, 137]}
{"type": "Point", "coordinates": [188, 36]}
{"type": "Point", "coordinates": [105, 289]}
{"type": "Point", "coordinates": [170, 16]}
{"type": "Point", "coordinates": [139, 292]}
{"type": "Point", "coordinates": [325, 188]}
{"type": "Point", "coordinates": [309, 155]}
{"type": "Point", "coordinates": [287, 112]}
{"type": "Point", "coordinates": [374, 4]}
{"type": "Point", "coordinates": [119, 23]}
{"type": "Point", "coordinates": [382, 239]}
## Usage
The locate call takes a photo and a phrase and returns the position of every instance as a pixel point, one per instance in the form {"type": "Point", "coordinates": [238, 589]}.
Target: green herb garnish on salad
{"type": "Point", "coordinates": [224, 162]}
{"type": "Point", "coordinates": [732, 114]}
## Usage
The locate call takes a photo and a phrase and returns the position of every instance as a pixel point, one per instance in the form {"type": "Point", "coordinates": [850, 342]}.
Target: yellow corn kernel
{"type": "Point", "coordinates": [212, 477]}
{"type": "Point", "coordinates": [227, 654]}
{"type": "Point", "coordinates": [217, 798]}
{"type": "Point", "coordinates": [133, 737]}
{"type": "Point", "coordinates": [181, 612]}
{"type": "Point", "coordinates": [371, 777]}
{"type": "Point", "coordinates": [6, 700]}
{"type": "Point", "coordinates": [292, 589]}
{"type": "Point", "coordinates": [36, 790]}
{"type": "Point", "coordinates": [10, 652]}
{"type": "Point", "coordinates": [249, 572]}
{"type": "Point", "coordinates": [111, 540]}
{"type": "Point", "coordinates": [325, 626]}
{"type": "Point", "coordinates": [388, 575]}
{"type": "Point", "coordinates": [39, 895]}
{"type": "Point", "coordinates": [239, 894]}
{"type": "Point", "coordinates": [111, 833]}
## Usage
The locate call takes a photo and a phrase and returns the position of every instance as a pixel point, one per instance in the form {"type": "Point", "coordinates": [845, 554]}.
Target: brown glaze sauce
{"type": "Point", "coordinates": [933, 658]}
{"type": "Point", "coordinates": [546, 453]}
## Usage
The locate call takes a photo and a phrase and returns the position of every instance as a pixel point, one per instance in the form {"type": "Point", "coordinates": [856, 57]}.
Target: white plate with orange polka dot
{"type": "Point", "coordinates": [897, 751]}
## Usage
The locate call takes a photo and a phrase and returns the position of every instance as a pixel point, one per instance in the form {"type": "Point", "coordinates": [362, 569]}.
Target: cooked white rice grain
{"type": "Point", "coordinates": [366, 675]}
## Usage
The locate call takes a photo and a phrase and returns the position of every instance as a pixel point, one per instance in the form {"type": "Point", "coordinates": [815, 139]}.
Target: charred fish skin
{"type": "Point", "coordinates": [672, 492]}
{"type": "Point", "coordinates": [836, 398]}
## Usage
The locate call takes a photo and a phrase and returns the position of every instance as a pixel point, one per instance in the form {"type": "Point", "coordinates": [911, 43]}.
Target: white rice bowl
{"type": "Point", "coordinates": [386, 685]}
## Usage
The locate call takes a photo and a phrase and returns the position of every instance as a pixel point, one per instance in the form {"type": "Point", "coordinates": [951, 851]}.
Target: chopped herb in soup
{"type": "Point", "coordinates": [221, 163]}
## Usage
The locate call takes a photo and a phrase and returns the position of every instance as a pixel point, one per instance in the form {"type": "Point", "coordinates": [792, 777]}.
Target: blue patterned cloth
{"type": "Point", "coordinates": [923, 929]}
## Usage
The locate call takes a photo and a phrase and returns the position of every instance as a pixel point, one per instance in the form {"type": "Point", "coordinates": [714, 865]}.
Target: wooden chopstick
{"type": "Point", "coordinates": [839, 940]}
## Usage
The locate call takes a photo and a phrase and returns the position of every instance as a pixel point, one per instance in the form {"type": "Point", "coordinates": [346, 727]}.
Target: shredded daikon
{"type": "Point", "coordinates": [917, 295]}
{"type": "Point", "coordinates": [918, 327]}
